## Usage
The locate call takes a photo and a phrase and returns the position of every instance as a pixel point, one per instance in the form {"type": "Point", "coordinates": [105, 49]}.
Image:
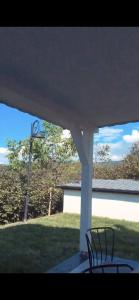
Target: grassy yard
{"type": "Point", "coordinates": [44, 242]}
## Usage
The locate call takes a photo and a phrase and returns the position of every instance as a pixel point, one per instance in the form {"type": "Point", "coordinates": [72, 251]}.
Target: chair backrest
{"type": "Point", "coordinates": [100, 244]}
{"type": "Point", "coordinates": [110, 268]}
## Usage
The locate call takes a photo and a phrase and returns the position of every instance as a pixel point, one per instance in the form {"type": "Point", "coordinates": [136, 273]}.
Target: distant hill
{"type": "Point", "coordinates": [112, 162]}
{"type": "Point", "coordinates": [3, 167]}
{"type": "Point", "coordinates": [116, 162]}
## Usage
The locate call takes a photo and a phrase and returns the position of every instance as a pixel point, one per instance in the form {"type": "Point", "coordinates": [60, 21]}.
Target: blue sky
{"type": "Point", "coordinates": [15, 124]}
{"type": "Point", "coordinates": [119, 137]}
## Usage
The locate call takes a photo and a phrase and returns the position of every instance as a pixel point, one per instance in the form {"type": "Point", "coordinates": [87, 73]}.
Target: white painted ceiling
{"type": "Point", "coordinates": [71, 75]}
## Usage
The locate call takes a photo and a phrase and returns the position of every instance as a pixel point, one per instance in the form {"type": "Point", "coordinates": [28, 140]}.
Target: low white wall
{"type": "Point", "coordinates": [111, 205]}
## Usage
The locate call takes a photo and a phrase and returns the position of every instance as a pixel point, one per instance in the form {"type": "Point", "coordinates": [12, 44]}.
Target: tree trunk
{"type": "Point", "coordinates": [50, 202]}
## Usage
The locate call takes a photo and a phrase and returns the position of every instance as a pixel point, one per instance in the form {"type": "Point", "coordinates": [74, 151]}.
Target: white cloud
{"type": "Point", "coordinates": [108, 131]}
{"type": "Point", "coordinates": [113, 146]}
{"type": "Point", "coordinates": [108, 134]}
{"type": "Point", "coordinates": [133, 137]}
{"type": "Point", "coordinates": [116, 157]}
{"type": "Point", "coordinates": [116, 146]}
{"type": "Point", "coordinates": [4, 150]}
{"type": "Point", "coordinates": [3, 154]}
{"type": "Point", "coordinates": [66, 134]}
{"type": "Point", "coordinates": [21, 152]}
{"type": "Point", "coordinates": [117, 150]}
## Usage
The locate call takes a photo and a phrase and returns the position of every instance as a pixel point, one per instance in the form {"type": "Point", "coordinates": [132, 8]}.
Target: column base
{"type": "Point", "coordinates": [84, 254]}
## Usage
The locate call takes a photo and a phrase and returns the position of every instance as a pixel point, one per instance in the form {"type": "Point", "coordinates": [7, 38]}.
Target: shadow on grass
{"type": "Point", "coordinates": [126, 242]}
{"type": "Point", "coordinates": [31, 248]}
{"type": "Point", "coordinates": [35, 248]}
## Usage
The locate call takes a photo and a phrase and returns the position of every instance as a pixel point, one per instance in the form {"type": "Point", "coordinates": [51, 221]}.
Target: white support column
{"type": "Point", "coordinates": [84, 144]}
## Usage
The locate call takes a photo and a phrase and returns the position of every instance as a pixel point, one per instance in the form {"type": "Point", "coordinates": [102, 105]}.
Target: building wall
{"type": "Point", "coordinates": [111, 205]}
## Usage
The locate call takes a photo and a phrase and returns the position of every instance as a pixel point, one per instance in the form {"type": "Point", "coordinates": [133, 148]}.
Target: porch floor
{"type": "Point", "coordinates": [78, 263]}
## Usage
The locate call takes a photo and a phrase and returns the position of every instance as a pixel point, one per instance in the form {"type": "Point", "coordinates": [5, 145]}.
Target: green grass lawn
{"type": "Point", "coordinates": [41, 243]}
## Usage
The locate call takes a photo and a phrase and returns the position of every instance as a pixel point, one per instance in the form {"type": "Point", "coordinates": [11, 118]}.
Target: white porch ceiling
{"type": "Point", "coordinates": [71, 75]}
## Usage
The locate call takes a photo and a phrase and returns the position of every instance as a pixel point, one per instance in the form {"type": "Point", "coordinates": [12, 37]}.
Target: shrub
{"type": "Point", "coordinates": [12, 195]}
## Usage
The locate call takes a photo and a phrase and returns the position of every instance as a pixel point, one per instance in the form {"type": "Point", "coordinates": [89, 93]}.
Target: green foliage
{"type": "Point", "coordinates": [130, 168]}
{"type": "Point", "coordinates": [12, 195]}
{"type": "Point", "coordinates": [49, 170]}
{"type": "Point", "coordinates": [59, 148]}
{"type": "Point", "coordinates": [127, 169]}
{"type": "Point", "coordinates": [11, 198]}
{"type": "Point", "coordinates": [48, 157]}
{"type": "Point", "coordinates": [69, 172]}
{"type": "Point", "coordinates": [54, 147]}
{"type": "Point", "coordinates": [107, 171]}
{"type": "Point", "coordinates": [39, 195]}
{"type": "Point", "coordinates": [18, 154]}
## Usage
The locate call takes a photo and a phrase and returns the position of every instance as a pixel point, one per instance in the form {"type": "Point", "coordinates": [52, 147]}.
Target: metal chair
{"type": "Point", "coordinates": [110, 268]}
{"type": "Point", "coordinates": [100, 244]}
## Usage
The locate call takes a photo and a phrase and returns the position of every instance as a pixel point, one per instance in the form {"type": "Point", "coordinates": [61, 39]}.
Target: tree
{"type": "Point", "coordinates": [127, 169]}
{"type": "Point", "coordinates": [102, 154]}
{"type": "Point", "coordinates": [11, 198]}
{"type": "Point", "coordinates": [130, 167]}
{"type": "Point", "coordinates": [48, 154]}
{"type": "Point", "coordinates": [102, 158]}
{"type": "Point", "coordinates": [55, 147]}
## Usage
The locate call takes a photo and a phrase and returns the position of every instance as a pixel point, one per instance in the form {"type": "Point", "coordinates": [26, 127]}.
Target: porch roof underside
{"type": "Point", "coordinates": [87, 77]}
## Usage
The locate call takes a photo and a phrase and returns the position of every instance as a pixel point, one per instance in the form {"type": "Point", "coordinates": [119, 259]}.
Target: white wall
{"type": "Point", "coordinates": [111, 205]}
